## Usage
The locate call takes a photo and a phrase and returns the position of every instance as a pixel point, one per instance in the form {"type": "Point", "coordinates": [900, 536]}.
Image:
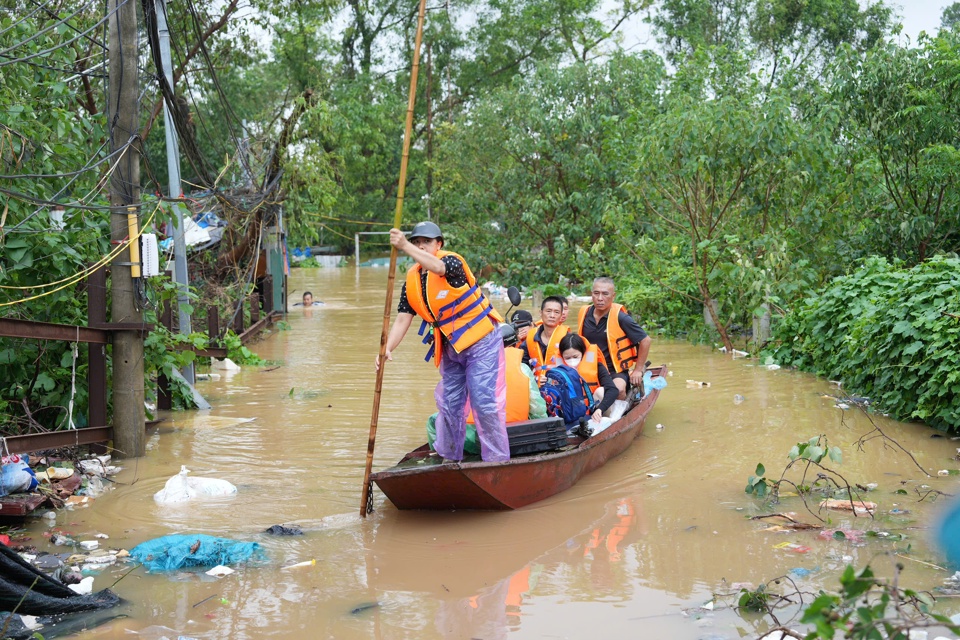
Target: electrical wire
{"type": "Point", "coordinates": [22, 20]}
{"type": "Point", "coordinates": [100, 43]}
{"type": "Point", "coordinates": [103, 261]}
{"type": "Point", "coordinates": [53, 176]}
{"type": "Point", "coordinates": [73, 71]}
{"type": "Point", "coordinates": [228, 109]}
{"type": "Point", "coordinates": [59, 46]}
{"type": "Point", "coordinates": [96, 187]}
{"type": "Point", "coordinates": [50, 28]}
{"type": "Point", "coordinates": [367, 222]}
{"type": "Point", "coordinates": [333, 231]}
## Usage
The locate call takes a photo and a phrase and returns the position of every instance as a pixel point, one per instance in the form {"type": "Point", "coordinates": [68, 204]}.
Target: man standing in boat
{"type": "Point", "coordinates": [466, 343]}
{"type": "Point", "coordinates": [623, 343]}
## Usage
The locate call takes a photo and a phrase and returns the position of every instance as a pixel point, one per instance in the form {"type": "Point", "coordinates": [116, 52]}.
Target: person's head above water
{"type": "Point", "coordinates": [307, 299]}
{"type": "Point", "coordinates": [427, 236]}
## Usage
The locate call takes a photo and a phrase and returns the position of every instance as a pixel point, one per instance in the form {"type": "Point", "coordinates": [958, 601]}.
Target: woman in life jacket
{"type": "Point", "coordinates": [461, 328]}
{"type": "Point", "coordinates": [586, 359]}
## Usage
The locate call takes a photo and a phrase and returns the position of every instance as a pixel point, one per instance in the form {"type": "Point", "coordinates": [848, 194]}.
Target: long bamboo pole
{"type": "Point", "coordinates": [366, 504]}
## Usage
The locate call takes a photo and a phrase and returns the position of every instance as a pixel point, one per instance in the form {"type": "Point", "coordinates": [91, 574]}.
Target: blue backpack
{"type": "Point", "coordinates": [566, 394]}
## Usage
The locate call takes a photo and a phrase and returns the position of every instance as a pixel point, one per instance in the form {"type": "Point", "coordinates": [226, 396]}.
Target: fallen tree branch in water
{"type": "Point", "coordinates": [927, 564]}
{"type": "Point", "coordinates": [887, 440]}
{"type": "Point", "coordinates": [793, 523]}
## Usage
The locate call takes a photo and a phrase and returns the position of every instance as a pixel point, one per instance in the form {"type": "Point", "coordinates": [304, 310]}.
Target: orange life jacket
{"type": "Point", "coordinates": [588, 366]}
{"type": "Point", "coordinates": [623, 352]}
{"type": "Point", "coordinates": [462, 314]}
{"type": "Point", "coordinates": [546, 360]}
{"type": "Point", "coordinates": [518, 388]}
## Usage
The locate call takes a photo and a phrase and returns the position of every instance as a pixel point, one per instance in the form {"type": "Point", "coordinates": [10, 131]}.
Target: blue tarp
{"type": "Point", "coordinates": [168, 553]}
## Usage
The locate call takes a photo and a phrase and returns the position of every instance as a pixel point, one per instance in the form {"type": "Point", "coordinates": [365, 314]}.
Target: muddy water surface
{"type": "Point", "coordinates": [635, 549]}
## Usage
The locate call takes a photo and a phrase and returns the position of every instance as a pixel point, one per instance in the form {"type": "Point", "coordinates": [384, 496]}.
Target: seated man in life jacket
{"type": "Point", "coordinates": [542, 345]}
{"type": "Point", "coordinates": [523, 396]}
{"type": "Point", "coordinates": [623, 343]}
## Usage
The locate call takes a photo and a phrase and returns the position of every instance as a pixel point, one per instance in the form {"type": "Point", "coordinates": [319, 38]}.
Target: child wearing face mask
{"type": "Point", "coordinates": [576, 353]}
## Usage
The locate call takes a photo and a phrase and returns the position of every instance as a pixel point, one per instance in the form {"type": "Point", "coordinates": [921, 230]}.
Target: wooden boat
{"type": "Point", "coordinates": [420, 481]}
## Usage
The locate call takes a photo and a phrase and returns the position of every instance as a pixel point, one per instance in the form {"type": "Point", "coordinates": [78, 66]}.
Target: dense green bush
{"type": "Point", "coordinates": [889, 333]}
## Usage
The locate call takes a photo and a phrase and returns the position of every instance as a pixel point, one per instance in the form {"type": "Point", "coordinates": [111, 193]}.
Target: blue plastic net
{"type": "Point", "coordinates": [168, 553]}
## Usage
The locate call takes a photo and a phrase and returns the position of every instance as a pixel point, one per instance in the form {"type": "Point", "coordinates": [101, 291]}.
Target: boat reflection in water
{"type": "Point", "coordinates": [470, 579]}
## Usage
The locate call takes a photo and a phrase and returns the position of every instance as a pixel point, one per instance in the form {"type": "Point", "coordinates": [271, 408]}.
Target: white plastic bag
{"type": "Point", "coordinates": [181, 488]}
{"type": "Point", "coordinates": [598, 427]}
{"type": "Point", "coordinates": [211, 487]}
{"type": "Point", "coordinates": [177, 489]}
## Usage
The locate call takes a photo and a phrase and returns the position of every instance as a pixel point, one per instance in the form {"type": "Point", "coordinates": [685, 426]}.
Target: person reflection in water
{"type": "Point", "coordinates": [491, 613]}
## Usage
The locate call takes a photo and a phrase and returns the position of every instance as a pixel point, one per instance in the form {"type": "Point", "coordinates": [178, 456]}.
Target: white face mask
{"type": "Point", "coordinates": [573, 362]}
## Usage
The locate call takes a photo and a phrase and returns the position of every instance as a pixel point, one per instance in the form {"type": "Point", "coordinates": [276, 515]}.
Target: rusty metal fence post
{"type": "Point", "coordinates": [254, 308]}
{"type": "Point", "coordinates": [164, 397]}
{"type": "Point", "coordinates": [238, 319]}
{"type": "Point", "coordinates": [213, 326]}
{"type": "Point", "coordinates": [268, 294]}
{"type": "Point", "coordinates": [96, 353]}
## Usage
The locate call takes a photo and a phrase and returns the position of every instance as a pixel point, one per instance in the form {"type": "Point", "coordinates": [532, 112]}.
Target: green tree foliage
{"type": "Point", "coordinates": [684, 27]}
{"type": "Point", "coordinates": [362, 72]}
{"type": "Point", "coordinates": [787, 38]}
{"type": "Point", "coordinates": [889, 333]}
{"type": "Point", "coordinates": [902, 107]}
{"type": "Point", "coordinates": [734, 176]}
{"type": "Point", "coordinates": [527, 180]}
{"type": "Point", "coordinates": [950, 18]}
{"type": "Point", "coordinates": [51, 150]}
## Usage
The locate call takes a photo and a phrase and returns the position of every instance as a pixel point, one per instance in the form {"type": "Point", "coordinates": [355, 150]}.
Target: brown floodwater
{"type": "Point", "coordinates": [639, 546]}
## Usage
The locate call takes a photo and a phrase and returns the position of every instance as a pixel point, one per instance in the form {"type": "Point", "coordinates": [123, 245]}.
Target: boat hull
{"type": "Point", "coordinates": [419, 482]}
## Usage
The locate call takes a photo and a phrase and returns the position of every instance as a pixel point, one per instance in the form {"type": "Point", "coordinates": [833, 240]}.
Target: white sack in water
{"type": "Point", "coordinates": [181, 488]}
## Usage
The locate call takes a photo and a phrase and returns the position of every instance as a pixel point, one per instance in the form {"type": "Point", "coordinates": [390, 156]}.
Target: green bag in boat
{"type": "Point", "coordinates": [471, 445]}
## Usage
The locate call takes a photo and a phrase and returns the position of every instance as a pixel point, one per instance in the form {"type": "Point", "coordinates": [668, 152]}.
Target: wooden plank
{"type": "Point", "coordinates": [268, 294]}
{"type": "Point", "coordinates": [238, 319]}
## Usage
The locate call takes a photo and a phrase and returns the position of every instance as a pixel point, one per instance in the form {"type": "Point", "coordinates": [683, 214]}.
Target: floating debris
{"type": "Point", "coordinates": [857, 506]}
{"type": "Point", "coordinates": [364, 607]}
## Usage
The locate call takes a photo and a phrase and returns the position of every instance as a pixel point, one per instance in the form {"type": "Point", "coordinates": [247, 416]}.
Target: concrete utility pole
{"type": "Point", "coordinates": [173, 170]}
{"type": "Point", "coordinates": [122, 120]}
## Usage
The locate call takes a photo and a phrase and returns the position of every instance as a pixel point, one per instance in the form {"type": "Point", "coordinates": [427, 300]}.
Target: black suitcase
{"type": "Point", "coordinates": [536, 436]}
